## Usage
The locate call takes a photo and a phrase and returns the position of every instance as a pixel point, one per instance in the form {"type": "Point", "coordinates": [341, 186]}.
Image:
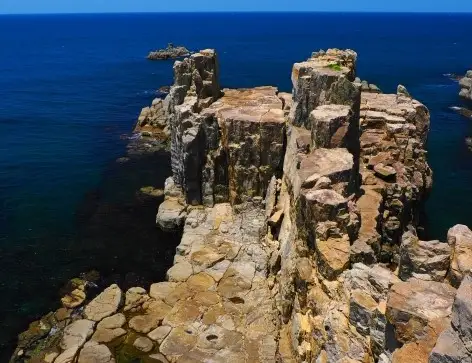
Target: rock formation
{"type": "Point", "coordinates": [466, 86]}
{"type": "Point", "coordinates": [299, 216]}
{"type": "Point", "coordinates": [170, 52]}
{"type": "Point", "coordinates": [152, 121]}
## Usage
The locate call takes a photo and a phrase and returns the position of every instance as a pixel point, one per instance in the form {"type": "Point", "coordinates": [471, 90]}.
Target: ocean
{"type": "Point", "coordinates": [72, 86]}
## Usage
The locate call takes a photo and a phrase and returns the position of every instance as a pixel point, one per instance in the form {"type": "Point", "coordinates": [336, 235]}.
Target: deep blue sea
{"type": "Point", "coordinates": [72, 85]}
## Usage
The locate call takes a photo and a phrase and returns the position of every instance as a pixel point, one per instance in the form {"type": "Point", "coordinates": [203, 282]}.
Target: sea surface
{"type": "Point", "coordinates": [72, 85]}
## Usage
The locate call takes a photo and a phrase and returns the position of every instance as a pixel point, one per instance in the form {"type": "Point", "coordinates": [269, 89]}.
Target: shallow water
{"type": "Point", "coordinates": [71, 85]}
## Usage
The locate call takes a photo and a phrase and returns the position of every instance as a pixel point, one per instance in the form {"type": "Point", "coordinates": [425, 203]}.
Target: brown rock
{"type": "Point", "coordinates": [333, 256]}
{"type": "Point", "coordinates": [460, 239]}
{"type": "Point", "coordinates": [414, 305]}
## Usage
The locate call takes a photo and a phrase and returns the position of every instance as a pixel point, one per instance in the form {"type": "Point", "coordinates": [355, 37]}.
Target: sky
{"type": "Point", "coordinates": [101, 6]}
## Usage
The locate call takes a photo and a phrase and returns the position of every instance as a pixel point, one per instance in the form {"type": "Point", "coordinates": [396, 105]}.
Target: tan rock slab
{"type": "Point", "coordinates": [160, 333]}
{"type": "Point", "coordinates": [108, 335]}
{"type": "Point", "coordinates": [112, 322]}
{"type": "Point", "coordinates": [77, 333]}
{"type": "Point", "coordinates": [178, 342]}
{"type": "Point", "coordinates": [105, 304]}
{"type": "Point", "coordinates": [161, 290]}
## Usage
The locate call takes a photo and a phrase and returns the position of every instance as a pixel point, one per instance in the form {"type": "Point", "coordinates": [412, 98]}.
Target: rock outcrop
{"type": "Point", "coordinates": [466, 86]}
{"type": "Point", "coordinates": [170, 52]}
{"type": "Point", "coordinates": [299, 216]}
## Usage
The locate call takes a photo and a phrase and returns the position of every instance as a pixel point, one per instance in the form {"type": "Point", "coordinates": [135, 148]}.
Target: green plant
{"type": "Point", "coordinates": [334, 67]}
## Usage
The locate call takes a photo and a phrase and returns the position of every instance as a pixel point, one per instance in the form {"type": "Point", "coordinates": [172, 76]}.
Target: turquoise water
{"type": "Point", "coordinates": [72, 85]}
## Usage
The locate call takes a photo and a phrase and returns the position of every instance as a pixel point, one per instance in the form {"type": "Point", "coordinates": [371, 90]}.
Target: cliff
{"type": "Point", "coordinates": [299, 216]}
{"type": "Point", "coordinates": [466, 86]}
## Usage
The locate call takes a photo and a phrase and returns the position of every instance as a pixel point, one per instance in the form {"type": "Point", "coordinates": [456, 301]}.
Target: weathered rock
{"type": "Point", "coordinates": [95, 353]}
{"type": "Point", "coordinates": [414, 305]}
{"type": "Point", "coordinates": [333, 256]}
{"type": "Point", "coordinates": [335, 126]}
{"type": "Point", "coordinates": [105, 304]}
{"type": "Point", "coordinates": [362, 309]}
{"type": "Point", "coordinates": [103, 335]}
{"type": "Point", "coordinates": [462, 311]}
{"type": "Point", "coordinates": [171, 215]}
{"type": "Point", "coordinates": [135, 297]}
{"type": "Point", "coordinates": [112, 322]}
{"type": "Point", "coordinates": [450, 349]}
{"type": "Point", "coordinates": [384, 171]}
{"type": "Point", "coordinates": [316, 81]}
{"type": "Point", "coordinates": [143, 344]}
{"type": "Point", "coordinates": [74, 299]}
{"type": "Point", "coordinates": [67, 356]}
{"type": "Point", "coordinates": [76, 334]}
{"type": "Point", "coordinates": [170, 52]}
{"type": "Point", "coordinates": [425, 260]}
{"type": "Point", "coordinates": [460, 239]}
{"type": "Point", "coordinates": [160, 333]}
{"type": "Point", "coordinates": [466, 86]}
{"type": "Point", "coordinates": [402, 91]}
{"type": "Point", "coordinates": [367, 246]}
{"type": "Point", "coordinates": [178, 342]}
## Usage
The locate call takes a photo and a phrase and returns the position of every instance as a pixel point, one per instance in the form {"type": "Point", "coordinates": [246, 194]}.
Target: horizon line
{"type": "Point", "coordinates": [245, 12]}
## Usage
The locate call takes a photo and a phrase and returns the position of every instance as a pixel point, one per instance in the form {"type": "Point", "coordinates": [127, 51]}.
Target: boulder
{"type": "Point", "coordinates": [171, 215]}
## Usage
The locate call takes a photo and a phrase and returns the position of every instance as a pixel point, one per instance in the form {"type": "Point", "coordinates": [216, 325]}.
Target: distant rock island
{"type": "Point", "coordinates": [170, 52]}
{"type": "Point", "coordinates": [299, 214]}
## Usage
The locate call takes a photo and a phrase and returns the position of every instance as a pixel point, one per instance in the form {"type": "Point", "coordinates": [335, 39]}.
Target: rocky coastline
{"type": "Point", "coordinates": [299, 214]}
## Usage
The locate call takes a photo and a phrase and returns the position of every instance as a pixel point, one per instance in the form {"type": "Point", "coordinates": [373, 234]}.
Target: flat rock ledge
{"type": "Point", "coordinates": [299, 214]}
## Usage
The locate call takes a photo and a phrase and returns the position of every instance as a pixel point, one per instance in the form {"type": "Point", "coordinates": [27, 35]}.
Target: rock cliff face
{"type": "Point", "coordinates": [299, 216]}
{"type": "Point", "coordinates": [466, 86]}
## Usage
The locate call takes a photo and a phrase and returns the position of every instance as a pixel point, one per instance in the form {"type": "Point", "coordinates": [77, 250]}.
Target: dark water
{"type": "Point", "coordinates": [71, 85]}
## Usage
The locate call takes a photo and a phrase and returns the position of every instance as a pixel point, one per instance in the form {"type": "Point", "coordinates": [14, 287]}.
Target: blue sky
{"type": "Point", "coordinates": [91, 6]}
